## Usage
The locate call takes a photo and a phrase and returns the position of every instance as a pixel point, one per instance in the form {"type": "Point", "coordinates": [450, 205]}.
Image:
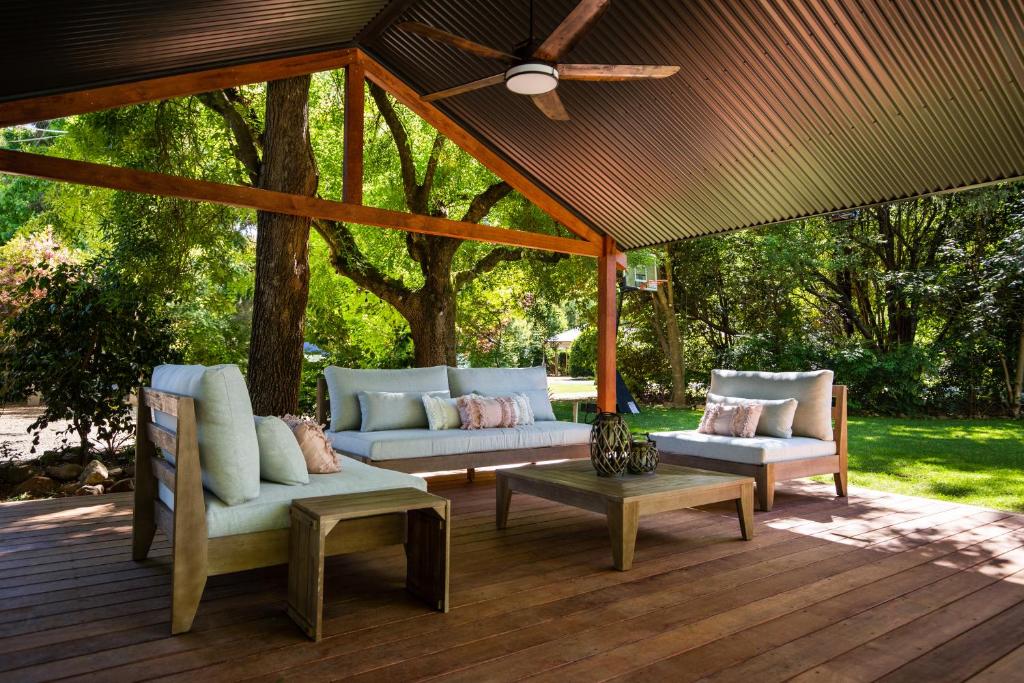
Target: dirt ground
{"type": "Point", "coordinates": [14, 434]}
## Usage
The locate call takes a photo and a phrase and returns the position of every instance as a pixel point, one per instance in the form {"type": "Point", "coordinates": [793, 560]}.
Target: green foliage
{"type": "Point", "coordinates": [583, 354]}
{"type": "Point", "coordinates": [85, 343]}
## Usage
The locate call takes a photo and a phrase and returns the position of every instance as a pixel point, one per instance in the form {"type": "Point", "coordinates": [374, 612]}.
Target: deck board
{"type": "Point", "coordinates": [875, 586]}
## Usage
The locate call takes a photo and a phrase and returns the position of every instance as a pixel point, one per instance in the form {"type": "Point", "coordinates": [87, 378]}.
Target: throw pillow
{"type": "Point", "coordinates": [281, 458]}
{"type": "Point", "coordinates": [442, 413]}
{"type": "Point", "coordinates": [776, 414]}
{"type": "Point", "coordinates": [524, 409]}
{"type": "Point", "coordinates": [385, 410]}
{"type": "Point", "coordinates": [484, 412]}
{"type": "Point", "coordinates": [316, 449]}
{"type": "Point", "coordinates": [725, 420]}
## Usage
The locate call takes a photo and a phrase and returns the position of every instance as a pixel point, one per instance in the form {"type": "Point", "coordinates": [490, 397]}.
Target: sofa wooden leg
{"type": "Point", "coordinates": [471, 474]}
{"type": "Point", "coordinates": [142, 539]}
{"type": "Point", "coordinates": [765, 488]}
{"type": "Point", "coordinates": [187, 591]}
{"type": "Point", "coordinates": [841, 485]}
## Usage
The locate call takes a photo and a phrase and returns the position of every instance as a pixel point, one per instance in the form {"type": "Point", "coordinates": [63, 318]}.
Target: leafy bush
{"type": "Point", "coordinates": [85, 343]}
{"type": "Point", "coordinates": [583, 354]}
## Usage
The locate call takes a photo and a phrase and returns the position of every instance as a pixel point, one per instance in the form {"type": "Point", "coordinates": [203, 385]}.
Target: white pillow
{"type": "Point", "coordinates": [776, 414]}
{"type": "Point", "coordinates": [386, 410]}
{"type": "Point", "coordinates": [442, 413]}
{"type": "Point", "coordinates": [281, 457]}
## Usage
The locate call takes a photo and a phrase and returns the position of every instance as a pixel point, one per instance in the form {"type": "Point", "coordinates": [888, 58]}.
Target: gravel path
{"type": "Point", "coordinates": [14, 434]}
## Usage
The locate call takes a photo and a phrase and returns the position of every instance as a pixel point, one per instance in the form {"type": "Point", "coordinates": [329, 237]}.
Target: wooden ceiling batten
{"type": "Point", "coordinates": [147, 182]}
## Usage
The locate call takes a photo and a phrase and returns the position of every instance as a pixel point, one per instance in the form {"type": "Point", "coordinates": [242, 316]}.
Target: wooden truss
{"type": "Point", "coordinates": [359, 66]}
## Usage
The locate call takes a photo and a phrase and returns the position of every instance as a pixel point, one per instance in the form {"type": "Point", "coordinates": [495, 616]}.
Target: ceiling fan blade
{"type": "Point", "coordinates": [551, 104]}
{"type": "Point", "coordinates": [466, 87]}
{"type": "Point", "coordinates": [613, 72]}
{"type": "Point", "coordinates": [455, 41]}
{"type": "Point", "coordinates": [571, 30]}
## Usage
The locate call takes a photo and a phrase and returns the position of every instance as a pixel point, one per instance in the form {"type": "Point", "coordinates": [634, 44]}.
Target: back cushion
{"type": "Point", "coordinates": [504, 382]}
{"type": "Point", "coordinates": [344, 385]}
{"type": "Point", "coordinates": [229, 451]}
{"type": "Point", "coordinates": [812, 391]}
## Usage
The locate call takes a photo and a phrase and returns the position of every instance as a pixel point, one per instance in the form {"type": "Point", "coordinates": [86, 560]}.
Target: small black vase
{"type": "Point", "coordinates": [643, 457]}
{"type": "Point", "coordinates": [609, 445]}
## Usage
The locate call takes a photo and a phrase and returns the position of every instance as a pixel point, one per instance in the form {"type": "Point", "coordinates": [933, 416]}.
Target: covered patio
{"type": "Point", "coordinates": [780, 110]}
{"type": "Point", "coordinates": [875, 587]}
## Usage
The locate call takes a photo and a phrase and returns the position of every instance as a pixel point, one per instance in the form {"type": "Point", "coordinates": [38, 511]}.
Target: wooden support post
{"type": "Point", "coordinates": [355, 77]}
{"type": "Point", "coordinates": [606, 333]}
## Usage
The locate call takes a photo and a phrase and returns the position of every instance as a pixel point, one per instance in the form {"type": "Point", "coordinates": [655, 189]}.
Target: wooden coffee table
{"type": "Point", "coordinates": [627, 498]}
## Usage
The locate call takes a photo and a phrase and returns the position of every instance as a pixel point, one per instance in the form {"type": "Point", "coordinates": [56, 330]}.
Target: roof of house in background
{"type": "Point", "coordinates": [780, 110]}
{"type": "Point", "coordinates": [567, 337]}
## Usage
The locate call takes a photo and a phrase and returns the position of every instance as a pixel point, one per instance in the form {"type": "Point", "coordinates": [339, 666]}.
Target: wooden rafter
{"type": "Point", "coordinates": [147, 182]}
{"type": "Point", "coordinates": [380, 75]}
{"type": "Point", "coordinates": [45, 107]}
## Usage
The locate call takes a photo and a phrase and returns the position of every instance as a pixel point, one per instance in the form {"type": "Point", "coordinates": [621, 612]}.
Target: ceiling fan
{"type": "Point", "coordinates": [536, 71]}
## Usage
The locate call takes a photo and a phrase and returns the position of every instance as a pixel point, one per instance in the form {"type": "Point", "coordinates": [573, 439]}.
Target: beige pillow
{"type": "Point", "coordinates": [442, 413]}
{"type": "Point", "coordinates": [735, 420]}
{"type": "Point", "coordinates": [776, 414]}
{"type": "Point", "coordinates": [485, 412]}
{"type": "Point", "coordinates": [316, 449]}
{"type": "Point", "coordinates": [812, 391]}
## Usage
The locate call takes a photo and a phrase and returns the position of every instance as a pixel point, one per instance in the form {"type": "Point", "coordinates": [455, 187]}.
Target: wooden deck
{"type": "Point", "coordinates": [879, 587]}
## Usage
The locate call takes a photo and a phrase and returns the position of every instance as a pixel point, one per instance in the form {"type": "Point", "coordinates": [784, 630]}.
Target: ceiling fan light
{"type": "Point", "coordinates": [531, 78]}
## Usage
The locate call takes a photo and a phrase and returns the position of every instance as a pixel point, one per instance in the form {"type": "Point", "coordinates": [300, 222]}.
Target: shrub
{"type": "Point", "coordinates": [85, 343]}
{"type": "Point", "coordinates": [583, 354]}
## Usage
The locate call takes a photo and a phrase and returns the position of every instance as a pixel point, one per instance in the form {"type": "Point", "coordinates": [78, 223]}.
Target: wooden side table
{"type": "Point", "coordinates": [317, 523]}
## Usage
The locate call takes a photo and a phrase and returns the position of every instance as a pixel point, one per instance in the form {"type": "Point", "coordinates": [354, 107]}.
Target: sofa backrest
{"type": "Point", "coordinates": [503, 382]}
{"type": "Point", "coordinates": [344, 385]}
{"type": "Point", "coordinates": [226, 432]}
{"type": "Point", "coordinates": [812, 390]}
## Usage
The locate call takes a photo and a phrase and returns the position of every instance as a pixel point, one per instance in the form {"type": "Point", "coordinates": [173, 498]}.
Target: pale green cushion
{"type": "Point", "coordinates": [382, 410]}
{"type": "Point", "coordinates": [344, 385]}
{"type": "Point", "coordinates": [756, 451]}
{"type": "Point", "coordinates": [504, 382]}
{"type": "Point", "coordinates": [419, 443]}
{"type": "Point", "coordinates": [776, 414]}
{"type": "Point", "coordinates": [270, 510]}
{"type": "Point", "coordinates": [442, 413]}
{"type": "Point", "coordinates": [229, 451]}
{"type": "Point", "coordinates": [812, 391]}
{"type": "Point", "coordinates": [281, 458]}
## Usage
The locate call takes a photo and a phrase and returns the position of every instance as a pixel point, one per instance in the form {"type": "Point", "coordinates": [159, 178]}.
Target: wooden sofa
{"type": "Point", "coordinates": [468, 461]}
{"type": "Point", "coordinates": [196, 555]}
{"type": "Point", "coordinates": [766, 475]}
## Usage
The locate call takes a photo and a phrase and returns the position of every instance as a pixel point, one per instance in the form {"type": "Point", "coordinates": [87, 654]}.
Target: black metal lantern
{"type": "Point", "coordinates": [643, 457]}
{"type": "Point", "coordinates": [609, 444]}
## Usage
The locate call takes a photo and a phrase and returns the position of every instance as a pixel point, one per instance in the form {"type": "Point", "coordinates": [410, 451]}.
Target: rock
{"type": "Point", "coordinates": [72, 455]}
{"type": "Point", "coordinates": [51, 458]}
{"type": "Point", "coordinates": [89, 490]}
{"type": "Point", "coordinates": [64, 472]}
{"type": "Point", "coordinates": [70, 488]}
{"type": "Point", "coordinates": [122, 486]}
{"type": "Point", "coordinates": [36, 486]}
{"type": "Point", "coordinates": [129, 470]}
{"type": "Point", "coordinates": [16, 472]}
{"type": "Point", "coordinates": [94, 473]}
{"type": "Point", "coordinates": [115, 473]}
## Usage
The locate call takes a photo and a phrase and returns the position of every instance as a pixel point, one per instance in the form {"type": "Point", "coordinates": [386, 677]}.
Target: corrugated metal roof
{"type": "Point", "coordinates": [782, 109]}
{"type": "Point", "coordinates": [58, 45]}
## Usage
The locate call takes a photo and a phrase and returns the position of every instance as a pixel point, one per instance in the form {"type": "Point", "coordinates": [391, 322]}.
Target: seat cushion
{"type": "Point", "coordinates": [504, 382]}
{"type": "Point", "coordinates": [229, 452]}
{"type": "Point", "coordinates": [269, 510]}
{"type": "Point", "coordinates": [344, 385]}
{"type": "Point", "coordinates": [423, 443]}
{"type": "Point", "coordinates": [756, 451]}
{"type": "Point", "coordinates": [812, 391]}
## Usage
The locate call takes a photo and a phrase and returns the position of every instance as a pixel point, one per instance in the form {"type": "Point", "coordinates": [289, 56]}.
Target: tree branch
{"type": "Point", "coordinates": [349, 261]}
{"type": "Point", "coordinates": [423, 190]}
{"type": "Point", "coordinates": [401, 139]}
{"type": "Point", "coordinates": [246, 138]}
{"type": "Point", "coordinates": [485, 201]}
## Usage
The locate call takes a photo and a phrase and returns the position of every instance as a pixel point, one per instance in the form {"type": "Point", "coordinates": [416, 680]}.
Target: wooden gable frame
{"type": "Point", "coordinates": [358, 66]}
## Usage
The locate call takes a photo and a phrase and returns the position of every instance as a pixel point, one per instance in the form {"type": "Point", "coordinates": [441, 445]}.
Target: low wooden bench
{"type": "Point", "coordinates": [427, 532]}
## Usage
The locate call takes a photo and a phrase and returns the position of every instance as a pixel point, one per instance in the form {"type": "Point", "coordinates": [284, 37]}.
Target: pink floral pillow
{"type": "Point", "coordinates": [730, 420]}
{"type": "Point", "coordinates": [483, 412]}
{"type": "Point", "coordinates": [316, 449]}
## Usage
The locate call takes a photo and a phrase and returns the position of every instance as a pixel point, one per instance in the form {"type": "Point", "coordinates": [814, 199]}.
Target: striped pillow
{"type": "Point", "coordinates": [484, 412]}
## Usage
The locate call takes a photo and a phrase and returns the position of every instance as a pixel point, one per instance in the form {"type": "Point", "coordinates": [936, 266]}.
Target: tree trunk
{"type": "Point", "coordinates": [1018, 384]}
{"type": "Point", "coordinates": [664, 299]}
{"type": "Point", "coordinates": [432, 309]}
{"type": "Point", "coordinates": [282, 265]}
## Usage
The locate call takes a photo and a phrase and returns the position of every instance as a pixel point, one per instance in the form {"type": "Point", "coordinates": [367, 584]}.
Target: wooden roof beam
{"type": "Point", "coordinates": [147, 182]}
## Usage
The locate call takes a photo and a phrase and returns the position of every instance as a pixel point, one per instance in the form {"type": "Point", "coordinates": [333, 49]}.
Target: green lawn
{"type": "Point", "coordinates": [980, 462]}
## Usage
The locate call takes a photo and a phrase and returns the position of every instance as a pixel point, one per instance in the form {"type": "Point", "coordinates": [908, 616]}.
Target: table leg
{"type": "Point", "coordinates": [575, 411]}
{"type": "Point", "coordinates": [745, 511]}
{"type": "Point", "coordinates": [503, 499]}
{"type": "Point", "coordinates": [306, 574]}
{"type": "Point", "coordinates": [623, 523]}
{"type": "Point", "coordinates": [427, 554]}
